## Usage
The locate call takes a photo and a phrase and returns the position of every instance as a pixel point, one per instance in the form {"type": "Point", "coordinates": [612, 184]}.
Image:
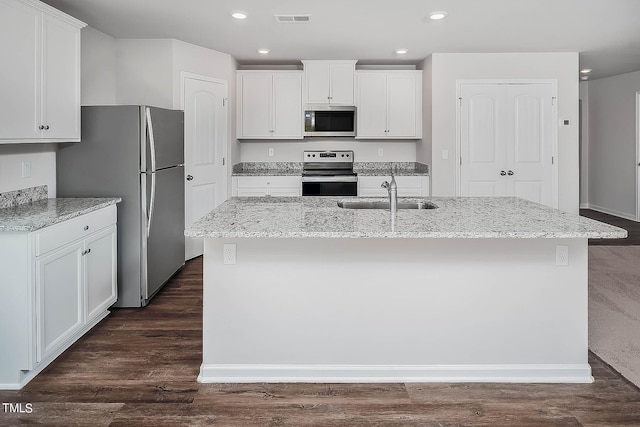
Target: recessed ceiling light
{"type": "Point", "coordinates": [238, 14]}
{"type": "Point", "coordinates": [584, 78]}
{"type": "Point", "coordinates": [263, 51]}
{"type": "Point", "coordinates": [586, 70]}
{"type": "Point", "coordinates": [439, 14]}
{"type": "Point", "coordinates": [401, 51]}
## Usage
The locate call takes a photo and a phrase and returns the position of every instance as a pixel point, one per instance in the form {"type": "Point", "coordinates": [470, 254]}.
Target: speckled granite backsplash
{"type": "Point", "coordinates": [399, 166]}
{"type": "Point", "coordinates": [259, 166]}
{"type": "Point", "coordinates": [288, 168]}
{"type": "Point", "coordinates": [26, 195]}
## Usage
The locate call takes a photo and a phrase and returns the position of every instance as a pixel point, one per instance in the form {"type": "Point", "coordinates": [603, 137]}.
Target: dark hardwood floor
{"type": "Point", "coordinates": [632, 227]}
{"type": "Point", "coordinates": [139, 367]}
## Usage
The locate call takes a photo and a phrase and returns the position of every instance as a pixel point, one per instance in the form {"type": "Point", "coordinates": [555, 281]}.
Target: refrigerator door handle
{"type": "Point", "coordinates": [152, 147]}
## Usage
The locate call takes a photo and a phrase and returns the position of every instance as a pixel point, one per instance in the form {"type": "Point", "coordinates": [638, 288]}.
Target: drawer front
{"type": "Point", "coordinates": [268, 181]}
{"type": "Point", "coordinates": [58, 235]}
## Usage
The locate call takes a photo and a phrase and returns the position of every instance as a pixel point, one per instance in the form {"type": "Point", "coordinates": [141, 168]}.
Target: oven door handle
{"type": "Point", "coordinates": [329, 179]}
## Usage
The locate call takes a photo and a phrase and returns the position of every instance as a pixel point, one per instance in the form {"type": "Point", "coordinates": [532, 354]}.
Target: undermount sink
{"type": "Point", "coordinates": [369, 204]}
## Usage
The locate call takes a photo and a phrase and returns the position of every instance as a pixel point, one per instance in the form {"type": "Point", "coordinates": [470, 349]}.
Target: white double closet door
{"type": "Point", "coordinates": [507, 141]}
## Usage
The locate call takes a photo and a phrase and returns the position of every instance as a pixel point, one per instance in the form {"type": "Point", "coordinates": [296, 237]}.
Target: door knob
{"type": "Point", "coordinates": [503, 173]}
{"type": "Point", "coordinates": [510, 173]}
{"type": "Point", "coordinates": [189, 177]}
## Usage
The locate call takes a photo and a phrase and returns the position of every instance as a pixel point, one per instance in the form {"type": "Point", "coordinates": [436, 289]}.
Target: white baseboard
{"type": "Point", "coordinates": [544, 373]}
{"type": "Point", "coordinates": [613, 212]}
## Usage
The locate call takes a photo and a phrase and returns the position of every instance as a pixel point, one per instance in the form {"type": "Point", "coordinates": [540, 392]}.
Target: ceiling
{"type": "Point", "coordinates": [605, 33]}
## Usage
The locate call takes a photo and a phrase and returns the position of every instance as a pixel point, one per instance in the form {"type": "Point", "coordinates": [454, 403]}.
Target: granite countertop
{"type": "Point", "coordinates": [384, 168]}
{"type": "Point", "coordinates": [455, 217]}
{"type": "Point", "coordinates": [44, 212]}
{"type": "Point", "coordinates": [361, 168]}
{"type": "Point", "coordinates": [267, 169]}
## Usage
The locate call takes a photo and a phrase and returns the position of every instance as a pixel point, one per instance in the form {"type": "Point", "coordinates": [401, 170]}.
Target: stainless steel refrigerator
{"type": "Point", "coordinates": [136, 153]}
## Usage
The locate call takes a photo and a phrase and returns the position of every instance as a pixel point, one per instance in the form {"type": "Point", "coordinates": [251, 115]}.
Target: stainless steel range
{"type": "Point", "coordinates": [328, 173]}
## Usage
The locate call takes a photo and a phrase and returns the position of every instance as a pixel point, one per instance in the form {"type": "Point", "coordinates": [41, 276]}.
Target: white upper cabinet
{"type": "Point", "coordinates": [270, 104]}
{"type": "Point", "coordinates": [329, 82]}
{"type": "Point", "coordinates": [40, 76]}
{"type": "Point", "coordinates": [389, 104]}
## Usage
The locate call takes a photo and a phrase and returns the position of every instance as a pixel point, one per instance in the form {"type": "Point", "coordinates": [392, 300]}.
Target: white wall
{"type": "Point", "coordinates": [364, 151]}
{"type": "Point", "coordinates": [144, 72]}
{"type": "Point", "coordinates": [43, 166]}
{"type": "Point", "coordinates": [98, 68]}
{"type": "Point", "coordinates": [612, 144]}
{"type": "Point", "coordinates": [447, 68]}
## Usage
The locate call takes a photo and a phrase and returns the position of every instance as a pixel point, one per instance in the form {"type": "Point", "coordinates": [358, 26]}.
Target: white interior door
{"type": "Point", "coordinates": [528, 130]}
{"type": "Point", "coordinates": [482, 140]}
{"type": "Point", "coordinates": [205, 129]}
{"type": "Point", "coordinates": [506, 141]}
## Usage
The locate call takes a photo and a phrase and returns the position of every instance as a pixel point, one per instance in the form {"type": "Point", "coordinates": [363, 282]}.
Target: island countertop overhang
{"type": "Point", "coordinates": [455, 217]}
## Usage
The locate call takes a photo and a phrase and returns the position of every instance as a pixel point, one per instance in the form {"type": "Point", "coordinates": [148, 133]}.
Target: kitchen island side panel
{"type": "Point", "coordinates": [395, 310]}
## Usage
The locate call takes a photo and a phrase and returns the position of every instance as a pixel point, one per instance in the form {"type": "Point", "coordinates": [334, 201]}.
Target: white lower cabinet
{"type": "Point", "coordinates": [59, 305]}
{"type": "Point", "coordinates": [100, 272]}
{"type": "Point", "coordinates": [408, 186]}
{"type": "Point", "coordinates": [277, 186]}
{"type": "Point", "coordinates": [58, 283]}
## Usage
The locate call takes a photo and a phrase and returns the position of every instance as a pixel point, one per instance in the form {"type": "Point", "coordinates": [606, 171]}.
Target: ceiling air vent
{"type": "Point", "coordinates": [292, 19]}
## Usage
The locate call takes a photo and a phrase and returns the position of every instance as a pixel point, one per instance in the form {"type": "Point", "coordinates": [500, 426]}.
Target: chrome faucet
{"type": "Point", "coordinates": [392, 189]}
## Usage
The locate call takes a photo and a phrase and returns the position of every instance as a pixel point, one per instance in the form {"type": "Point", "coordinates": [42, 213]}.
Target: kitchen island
{"type": "Point", "coordinates": [300, 290]}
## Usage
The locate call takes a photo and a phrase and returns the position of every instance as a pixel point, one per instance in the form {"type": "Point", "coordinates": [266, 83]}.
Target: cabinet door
{"type": "Point", "coordinates": [317, 81]}
{"type": "Point", "coordinates": [20, 40]}
{"type": "Point", "coordinates": [372, 105]}
{"type": "Point", "coordinates": [255, 105]}
{"type": "Point", "coordinates": [342, 83]}
{"type": "Point", "coordinates": [59, 298]}
{"type": "Point", "coordinates": [61, 80]}
{"type": "Point", "coordinates": [287, 105]}
{"type": "Point", "coordinates": [100, 270]}
{"type": "Point", "coordinates": [402, 115]}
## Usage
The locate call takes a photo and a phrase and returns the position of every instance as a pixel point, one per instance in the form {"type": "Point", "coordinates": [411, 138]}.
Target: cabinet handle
{"type": "Point", "coordinates": [510, 173]}
{"type": "Point", "coordinates": [189, 177]}
{"type": "Point", "coordinates": [41, 127]}
{"type": "Point", "coordinates": [503, 173]}
{"type": "Point", "coordinates": [86, 251]}
{"type": "Point", "coordinates": [46, 127]}
{"type": "Point", "coordinates": [86, 228]}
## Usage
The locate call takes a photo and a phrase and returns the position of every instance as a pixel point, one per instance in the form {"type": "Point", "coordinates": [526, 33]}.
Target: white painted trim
{"type": "Point", "coordinates": [637, 218]}
{"type": "Point", "coordinates": [554, 127]}
{"type": "Point", "coordinates": [511, 373]}
{"type": "Point", "coordinates": [610, 212]}
{"type": "Point", "coordinates": [584, 206]}
{"type": "Point", "coordinates": [45, 8]}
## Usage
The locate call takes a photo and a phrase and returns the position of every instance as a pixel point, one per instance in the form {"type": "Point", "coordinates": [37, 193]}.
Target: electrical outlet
{"type": "Point", "coordinates": [229, 253]}
{"type": "Point", "coordinates": [26, 169]}
{"type": "Point", "coordinates": [380, 152]}
{"type": "Point", "coordinates": [271, 151]}
{"type": "Point", "coordinates": [562, 255]}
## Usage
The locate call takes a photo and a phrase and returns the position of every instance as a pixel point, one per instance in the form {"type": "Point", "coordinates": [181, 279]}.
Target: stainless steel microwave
{"type": "Point", "coordinates": [329, 120]}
